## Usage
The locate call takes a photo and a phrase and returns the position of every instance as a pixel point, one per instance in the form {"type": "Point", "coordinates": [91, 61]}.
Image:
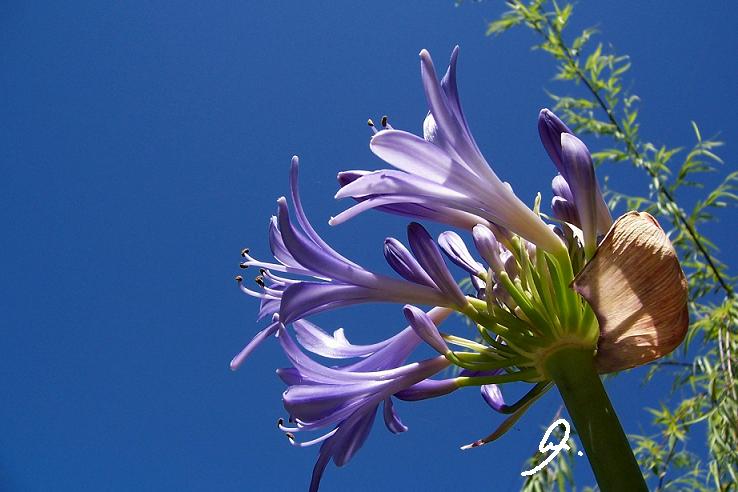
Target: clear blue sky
{"type": "Point", "coordinates": [143, 145]}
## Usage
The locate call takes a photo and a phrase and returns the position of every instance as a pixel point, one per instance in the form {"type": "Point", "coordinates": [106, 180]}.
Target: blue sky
{"type": "Point", "coordinates": [142, 146]}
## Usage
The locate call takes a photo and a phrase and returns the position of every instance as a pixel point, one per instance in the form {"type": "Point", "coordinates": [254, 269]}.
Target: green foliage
{"type": "Point", "coordinates": [558, 475]}
{"type": "Point", "coordinates": [704, 404]}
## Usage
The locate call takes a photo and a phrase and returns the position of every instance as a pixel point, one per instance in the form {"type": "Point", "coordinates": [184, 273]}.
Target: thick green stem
{"type": "Point", "coordinates": [607, 448]}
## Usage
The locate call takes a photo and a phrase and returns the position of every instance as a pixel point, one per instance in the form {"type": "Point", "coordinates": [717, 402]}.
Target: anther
{"type": "Point", "coordinates": [262, 271]}
{"type": "Point", "coordinates": [280, 422]}
{"type": "Point", "coordinates": [290, 436]}
{"type": "Point", "coordinates": [239, 278]}
{"type": "Point", "coordinates": [243, 265]}
{"type": "Point", "coordinates": [244, 252]}
{"type": "Point", "coordinates": [259, 281]}
{"type": "Point", "coordinates": [384, 121]}
{"type": "Point", "coordinates": [370, 123]}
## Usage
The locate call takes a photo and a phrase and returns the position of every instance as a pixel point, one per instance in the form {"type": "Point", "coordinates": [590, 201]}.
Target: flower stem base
{"type": "Point", "coordinates": [602, 436]}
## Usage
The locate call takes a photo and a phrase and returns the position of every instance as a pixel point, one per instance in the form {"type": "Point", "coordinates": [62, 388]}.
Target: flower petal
{"type": "Point", "coordinates": [276, 244]}
{"type": "Point", "coordinates": [290, 376]}
{"type": "Point", "coordinates": [429, 388]}
{"type": "Point", "coordinates": [353, 435]}
{"type": "Point", "coordinates": [306, 298]}
{"type": "Point", "coordinates": [456, 250]}
{"type": "Point", "coordinates": [560, 187]}
{"type": "Point", "coordinates": [583, 184]}
{"type": "Point", "coordinates": [317, 341]}
{"type": "Point", "coordinates": [302, 218]}
{"type": "Point", "coordinates": [417, 156]}
{"type": "Point", "coordinates": [428, 255]}
{"type": "Point", "coordinates": [444, 105]}
{"type": "Point", "coordinates": [450, 211]}
{"type": "Point", "coordinates": [255, 342]}
{"type": "Point", "coordinates": [391, 419]}
{"type": "Point", "coordinates": [323, 458]}
{"type": "Point", "coordinates": [425, 328]}
{"type": "Point", "coordinates": [488, 246]}
{"type": "Point", "coordinates": [638, 292]}
{"type": "Point", "coordinates": [403, 262]}
{"type": "Point", "coordinates": [314, 257]}
{"type": "Point", "coordinates": [436, 213]}
{"type": "Point", "coordinates": [393, 182]}
{"type": "Point", "coordinates": [551, 129]}
{"type": "Point", "coordinates": [564, 210]}
{"type": "Point", "coordinates": [492, 394]}
{"type": "Point", "coordinates": [398, 347]}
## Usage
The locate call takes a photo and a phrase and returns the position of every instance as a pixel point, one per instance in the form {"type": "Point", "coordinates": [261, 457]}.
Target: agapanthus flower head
{"type": "Point", "coordinates": [614, 292]}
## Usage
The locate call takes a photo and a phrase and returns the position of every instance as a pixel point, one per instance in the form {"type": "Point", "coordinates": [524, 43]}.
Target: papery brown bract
{"type": "Point", "coordinates": [638, 291]}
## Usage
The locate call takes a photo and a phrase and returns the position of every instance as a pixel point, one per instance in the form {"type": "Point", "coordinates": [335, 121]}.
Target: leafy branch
{"type": "Point", "coordinates": [705, 389]}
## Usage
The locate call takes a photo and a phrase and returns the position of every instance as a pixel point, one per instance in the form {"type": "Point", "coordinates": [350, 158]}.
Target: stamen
{"type": "Point", "coordinates": [279, 280]}
{"type": "Point", "coordinates": [317, 440]}
{"type": "Point", "coordinates": [278, 267]}
{"type": "Point", "coordinates": [385, 123]}
{"type": "Point", "coordinates": [259, 281]}
{"type": "Point", "coordinates": [284, 428]}
{"type": "Point", "coordinates": [239, 278]}
{"type": "Point", "coordinates": [245, 252]}
{"type": "Point", "coordinates": [253, 293]}
{"type": "Point", "coordinates": [243, 266]}
{"type": "Point", "coordinates": [371, 125]}
{"type": "Point", "coordinates": [273, 292]}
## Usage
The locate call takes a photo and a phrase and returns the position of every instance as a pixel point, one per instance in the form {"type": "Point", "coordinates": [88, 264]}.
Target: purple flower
{"type": "Point", "coordinates": [528, 296]}
{"type": "Point", "coordinates": [454, 247]}
{"type": "Point", "coordinates": [488, 246]}
{"type": "Point", "coordinates": [562, 203]}
{"type": "Point", "coordinates": [442, 173]}
{"type": "Point", "coordinates": [428, 210]}
{"type": "Point", "coordinates": [255, 342]}
{"type": "Point", "coordinates": [335, 281]}
{"type": "Point", "coordinates": [347, 398]}
{"type": "Point", "coordinates": [429, 257]}
{"type": "Point", "coordinates": [492, 394]}
{"type": "Point", "coordinates": [580, 173]}
{"type": "Point", "coordinates": [578, 197]}
{"type": "Point", "coordinates": [425, 328]}
{"type": "Point", "coordinates": [404, 263]}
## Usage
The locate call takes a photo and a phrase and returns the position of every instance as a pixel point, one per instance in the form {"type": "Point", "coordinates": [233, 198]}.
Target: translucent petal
{"type": "Point", "coordinates": [637, 289]}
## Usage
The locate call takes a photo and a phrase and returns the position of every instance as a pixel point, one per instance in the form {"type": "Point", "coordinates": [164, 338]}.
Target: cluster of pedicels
{"type": "Point", "coordinates": [578, 281]}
